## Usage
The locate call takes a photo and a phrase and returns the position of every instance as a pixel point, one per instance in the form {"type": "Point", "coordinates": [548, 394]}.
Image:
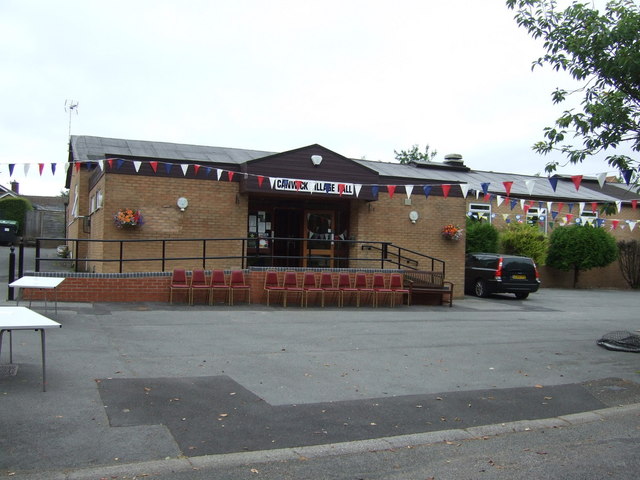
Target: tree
{"type": "Point", "coordinates": [15, 208]}
{"type": "Point", "coordinates": [629, 254]}
{"type": "Point", "coordinates": [415, 155]}
{"type": "Point", "coordinates": [602, 52]}
{"type": "Point", "coordinates": [525, 240]}
{"type": "Point", "coordinates": [580, 248]}
{"type": "Point", "coordinates": [481, 236]}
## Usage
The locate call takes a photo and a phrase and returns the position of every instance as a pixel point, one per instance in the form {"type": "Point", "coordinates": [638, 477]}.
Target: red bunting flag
{"type": "Point", "coordinates": [196, 167]}
{"type": "Point", "coordinates": [526, 208]}
{"type": "Point", "coordinates": [298, 185]}
{"type": "Point", "coordinates": [260, 180]}
{"type": "Point", "coordinates": [341, 187]}
{"type": "Point", "coordinates": [634, 204]}
{"type": "Point", "coordinates": [560, 205]}
{"type": "Point", "coordinates": [110, 162]}
{"type": "Point", "coordinates": [615, 223]}
{"type": "Point", "coordinates": [569, 217]}
{"type": "Point", "coordinates": [507, 187]}
{"type": "Point", "coordinates": [230, 176]}
{"type": "Point", "coordinates": [577, 179]}
{"type": "Point", "coordinates": [391, 189]}
{"type": "Point", "coordinates": [487, 197]}
{"type": "Point", "coordinates": [77, 165]}
{"type": "Point", "coordinates": [154, 166]}
{"type": "Point", "coordinates": [445, 190]}
{"type": "Point", "coordinates": [594, 206]}
{"type": "Point", "coordinates": [41, 168]}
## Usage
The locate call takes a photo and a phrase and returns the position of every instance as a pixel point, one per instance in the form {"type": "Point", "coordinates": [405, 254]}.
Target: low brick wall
{"type": "Point", "coordinates": [139, 287]}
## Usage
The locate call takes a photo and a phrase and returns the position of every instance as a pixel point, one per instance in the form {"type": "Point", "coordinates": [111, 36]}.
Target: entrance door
{"type": "Point", "coordinates": [319, 228]}
{"type": "Point", "coordinates": [287, 227]}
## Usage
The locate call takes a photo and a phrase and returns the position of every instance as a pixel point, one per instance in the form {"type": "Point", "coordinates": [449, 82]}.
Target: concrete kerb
{"type": "Point", "coordinates": [184, 464]}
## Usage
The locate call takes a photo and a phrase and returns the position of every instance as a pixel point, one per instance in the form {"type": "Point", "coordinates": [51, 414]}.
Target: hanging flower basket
{"type": "Point", "coordinates": [127, 217]}
{"type": "Point", "coordinates": [451, 232]}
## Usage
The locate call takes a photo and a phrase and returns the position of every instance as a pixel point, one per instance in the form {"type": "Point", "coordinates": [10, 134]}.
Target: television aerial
{"type": "Point", "coordinates": [71, 106]}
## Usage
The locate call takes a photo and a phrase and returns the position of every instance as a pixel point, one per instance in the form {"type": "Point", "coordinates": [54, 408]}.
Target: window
{"type": "Point", "coordinates": [480, 211]}
{"type": "Point", "coordinates": [74, 208]}
{"type": "Point", "coordinates": [537, 216]}
{"type": "Point", "coordinates": [588, 218]}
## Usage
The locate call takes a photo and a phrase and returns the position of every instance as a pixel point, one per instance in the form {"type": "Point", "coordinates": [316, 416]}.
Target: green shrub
{"type": "Point", "coordinates": [481, 236]}
{"type": "Point", "coordinates": [15, 209]}
{"type": "Point", "coordinates": [524, 240]}
{"type": "Point", "coordinates": [580, 248]}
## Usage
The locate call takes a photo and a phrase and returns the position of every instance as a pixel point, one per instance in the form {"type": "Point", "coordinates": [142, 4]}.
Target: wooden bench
{"type": "Point", "coordinates": [426, 284]}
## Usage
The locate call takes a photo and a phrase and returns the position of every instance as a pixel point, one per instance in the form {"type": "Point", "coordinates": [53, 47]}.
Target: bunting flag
{"type": "Point", "coordinates": [581, 207]}
{"type": "Point", "coordinates": [445, 190]}
{"type": "Point", "coordinates": [408, 190]}
{"type": "Point", "coordinates": [570, 206]}
{"type": "Point", "coordinates": [358, 188]}
{"type": "Point", "coordinates": [554, 214]}
{"type": "Point", "coordinates": [77, 166]}
{"type": "Point", "coordinates": [271, 179]}
{"type": "Point", "coordinates": [505, 216]}
{"type": "Point", "coordinates": [632, 224]}
{"type": "Point", "coordinates": [119, 163]}
{"type": "Point", "coordinates": [53, 169]}
{"type": "Point", "coordinates": [219, 174]}
{"type": "Point", "coordinates": [184, 167]}
{"type": "Point", "coordinates": [618, 205]}
{"type": "Point", "coordinates": [577, 179]}
{"type": "Point", "coordinates": [601, 179]}
{"type": "Point", "coordinates": [427, 190]}
{"type": "Point", "coordinates": [341, 188]}
{"type": "Point", "coordinates": [499, 200]}
{"type": "Point", "coordinates": [626, 175]}
{"type": "Point", "coordinates": [513, 203]}
{"type": "Point", "coordinates": [260, 180]}
{"type": "Point", "coordinates": [298, 184]}
{"type": "Point", "coordinates": [549, 204]}
{"type": "Point", "coordinates": [11, 167]}
{"type": "Point", "coordinates": [208, 170]}
{"type": "Point", "coordinates": [101, 165]}
{"type": "Point", "coordinates": [154, 166]}
{"type": "Point", "coordinates": [569, 217]}
{"type": "Point", "coordinates": [464, 187]}
{"type": "Point", "coordinates": [522, 204]}
{"type": "Point", "coordinates": [230, 175]}
{"type": "Point", "coordinates": [560, 205]}
{"type": "Point", "coordinates": [27, 166]}
{"type": "Point", "coordinates": [485, 187]}
{"type": "Point", "coordinates": [600, 222]}
{"type": "Point", "coordinates": [196, 167]}
{"type": "Point", "coordinates": [526, 208]}
{"type": "Point", "coordinates": [634, 204]}
{"type": "Point", "coordinates": [137, 164]}
{"type": "Point", "coordinates": [530, 184]}
{"type": "Point", "coordinates": [614, 224]}
{"type": "Point", "coordinates": [167, 167]}
{"type": "Point", "coordinates": [40, 168]}
{"type": "Point", "coordinates": [487, 197]}
{"type": "Point", "coordinates": [594, 206]}
{"type": "Point", "coordinates": [374, 191]}
{"type": "Point", "coordinates": [507, 187]}
{"type": "Point", "coordinates": [391, 190]}
{"type": "Point", "coordinates": [554, 183]}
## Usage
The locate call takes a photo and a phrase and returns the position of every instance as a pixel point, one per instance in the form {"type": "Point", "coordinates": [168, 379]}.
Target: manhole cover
{"type": "Point", "coordinates": [8, 370]}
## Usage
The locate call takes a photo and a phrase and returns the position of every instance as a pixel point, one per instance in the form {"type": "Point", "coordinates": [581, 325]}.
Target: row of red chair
{"type": "Point", "coordinates": [363, 286]}
{"type": "Point", "coordinates": [198, 282]}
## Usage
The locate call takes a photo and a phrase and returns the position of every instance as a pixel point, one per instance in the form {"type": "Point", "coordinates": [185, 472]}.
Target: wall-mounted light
{"type": "Point", "coordinates": [316, 160]}
{"type": "Point", "coordinates": [182, 203]}
{"type": "Point", "coordinates": [413, 216]}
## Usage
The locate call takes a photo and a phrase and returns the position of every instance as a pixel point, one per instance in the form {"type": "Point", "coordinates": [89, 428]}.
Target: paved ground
{"type": "Point", "coordinates": [179, 387]}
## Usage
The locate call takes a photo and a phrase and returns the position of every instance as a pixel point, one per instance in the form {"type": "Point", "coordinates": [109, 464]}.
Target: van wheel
{"type": "Point", "coordinates": [480, 288]}
{"type": "Point", "coordinates": [522, 295]}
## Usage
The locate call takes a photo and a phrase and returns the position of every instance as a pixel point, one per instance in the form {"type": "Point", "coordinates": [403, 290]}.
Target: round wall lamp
{"type": "Point", "coordinates": [413, 216]}
{"type": "Point", "coordinates": [182, 203]}
{"type": "Point", "coordinates": [316, 160]}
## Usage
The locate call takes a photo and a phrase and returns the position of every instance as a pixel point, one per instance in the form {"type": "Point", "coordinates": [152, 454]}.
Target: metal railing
{"type": "Point", "coordinates": [279, 251]}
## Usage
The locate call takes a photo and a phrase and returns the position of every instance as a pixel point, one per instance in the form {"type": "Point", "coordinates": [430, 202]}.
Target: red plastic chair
{"type": "Point", "coordinates": [218, 284]}
{"type": "Point", "coordinates": [238, 284]}
{"type": "Point", "coordinates": [290, 285]}
{"type": "Point", "coordinates": [179, 282]}
{"type": "Point", "coordinates": [380, 289]}
{"type": "Point", "coordinates": [345, 287]}
{"type": "Point", "coordinates": [198, 282]}
{"type": "Point", "coordinates": [327, 286]}
{"type": "Point", "coordinates": [272, 284]}
{"type": "Point", "coordinates": [395, 284]}
{"type": "Point", "coordinates": [309, 286]}
{"type": "Point", "coordinates": [362, 285]}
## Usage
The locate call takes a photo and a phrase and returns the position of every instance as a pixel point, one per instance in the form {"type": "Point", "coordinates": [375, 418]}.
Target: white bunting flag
{"type": "Point", "coordinates": [271, 179]}
{"type": "Point", "coordinates": [632, 224]}
{"type": "Point", "coordinates": [499, 200]}
{"type": "Point", "coordinates": [136, 165]}
{"type": "Point", "coordinates": [522, 204]}
{"type": "Point", "coordinates": [581, 205]}
{"type": "Point", "coordinates": [601, 178]}
{"type": "Point", "coordinates": [409, 190]}
{"type": "Point", "coordinates": [530, 185]}
{"type": "Point", "coordinates": [101, 164]}
{"type": "Point", "coordinates": [27, 166]}
{"type": "Point", "coordinates": [465, 189]}
{"type": "Point", "coordinates": [184, 167]}
{"type": "Point", "coordinates": [549, 204]}
{"type": "Point", "coordinates": [358, 188]}
{"type": "Point", "coordinates": [619, 205]}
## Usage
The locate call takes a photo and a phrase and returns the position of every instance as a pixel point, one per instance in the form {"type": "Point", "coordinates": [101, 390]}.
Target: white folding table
{"type": "Point", "coordinates": [21, 318]}
{"type": "Point", "coordinates": [42, 283]}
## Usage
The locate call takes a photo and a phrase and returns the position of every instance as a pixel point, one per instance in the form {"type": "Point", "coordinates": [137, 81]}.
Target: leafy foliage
{"type": "Point", "coordinates": [629, 255]}
{"type": "Point", "coordinates": [525, 240]}
{"type": "Point", "coordinates": [581, 248]}
{"type": "Point", "coordinates": [481, 237]}
{"type": "Point", "coordinates": [15, 209]}
{"type": "Point", "coordinates": [601, 50]}
{"type": "Point", "coordinates": [415, 155]}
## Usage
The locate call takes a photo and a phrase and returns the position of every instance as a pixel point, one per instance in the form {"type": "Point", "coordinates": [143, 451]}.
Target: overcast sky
{"type": "Point", "coordinates": [362, 78]}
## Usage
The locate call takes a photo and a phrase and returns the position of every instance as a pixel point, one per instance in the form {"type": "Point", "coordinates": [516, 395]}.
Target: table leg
{"type": "Point", "coordinates": [44, 373]}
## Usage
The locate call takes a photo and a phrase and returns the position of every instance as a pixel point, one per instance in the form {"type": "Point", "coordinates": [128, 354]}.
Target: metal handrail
{"type": "Point", "coordinates": [389, 253]}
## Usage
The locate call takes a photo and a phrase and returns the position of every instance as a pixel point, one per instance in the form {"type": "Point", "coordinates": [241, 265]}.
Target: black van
{"type": "Point", "coordinates": [8, 231]}
{"type": "Point", "coordinates": [487, 273]}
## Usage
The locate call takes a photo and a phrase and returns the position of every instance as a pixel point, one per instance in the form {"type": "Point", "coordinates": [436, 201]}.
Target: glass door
{"type": "Point", "coordinates": [319, 245]}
